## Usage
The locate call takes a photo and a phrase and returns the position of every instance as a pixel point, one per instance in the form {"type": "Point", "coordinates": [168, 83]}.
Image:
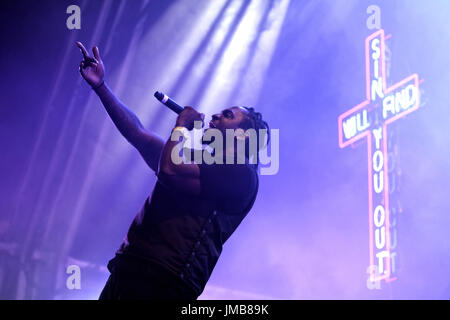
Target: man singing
{"type": "Point", "coordinates": [175, 240]}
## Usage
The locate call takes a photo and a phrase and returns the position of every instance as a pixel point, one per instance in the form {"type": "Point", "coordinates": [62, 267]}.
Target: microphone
{"type": "Point", "coordinates": [175, 107]}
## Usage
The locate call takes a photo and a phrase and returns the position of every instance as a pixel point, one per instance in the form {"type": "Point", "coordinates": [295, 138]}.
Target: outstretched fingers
{"type": "Point", "coordinates": [83, 50]}
{"type": "Point", "coordinates": [96, 53]}
{"type": "Point", "coordinates": [87, 59]}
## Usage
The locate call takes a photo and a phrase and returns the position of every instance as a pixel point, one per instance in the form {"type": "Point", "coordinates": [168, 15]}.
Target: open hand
{"type": "Point", "coordinates": [91, 68]}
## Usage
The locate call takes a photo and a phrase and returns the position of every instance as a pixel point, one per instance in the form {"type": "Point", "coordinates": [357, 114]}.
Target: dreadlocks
{"type": "Point", "coordinates": [257, 122]}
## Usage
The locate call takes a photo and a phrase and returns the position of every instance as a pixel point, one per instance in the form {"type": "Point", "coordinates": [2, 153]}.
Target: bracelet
{"type": "Point", "coordinates": [184, 131]}
{"type": "Point", "coordinates": [99, 85]}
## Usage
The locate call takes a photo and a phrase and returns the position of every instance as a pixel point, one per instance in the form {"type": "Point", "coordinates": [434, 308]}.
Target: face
{"type": "Point", "coordinates": [230, 118]}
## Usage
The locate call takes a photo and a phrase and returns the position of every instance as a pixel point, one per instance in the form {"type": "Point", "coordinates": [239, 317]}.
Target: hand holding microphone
{"type": "Point", "coordinates": [186, 115]}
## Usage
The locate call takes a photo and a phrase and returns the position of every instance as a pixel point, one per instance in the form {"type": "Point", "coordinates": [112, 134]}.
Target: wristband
{"type": "Point", "coordinates": [184, 131]}
{"type": "Point", "coordinates": [99, 85]}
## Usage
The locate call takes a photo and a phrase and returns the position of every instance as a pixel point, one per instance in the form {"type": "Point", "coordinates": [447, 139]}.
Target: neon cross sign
{"type": "Point", "coordinates": [370, 119]}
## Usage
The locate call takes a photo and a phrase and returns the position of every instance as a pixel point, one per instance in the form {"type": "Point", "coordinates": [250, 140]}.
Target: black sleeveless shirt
{"type": "Point", "coordinates": [184, 234]}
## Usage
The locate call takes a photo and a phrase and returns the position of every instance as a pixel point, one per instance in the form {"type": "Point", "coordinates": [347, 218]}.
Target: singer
{"type": "Point", "coordinates": [175, 240]}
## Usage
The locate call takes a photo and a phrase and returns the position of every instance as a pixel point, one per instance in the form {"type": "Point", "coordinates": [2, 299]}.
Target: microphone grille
{"type": "Point", "coordinates": [159, 95]}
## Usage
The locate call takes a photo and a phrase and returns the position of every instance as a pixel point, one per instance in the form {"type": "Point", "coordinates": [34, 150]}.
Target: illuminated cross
{"type": "Point", "coordinates": [370, 120]}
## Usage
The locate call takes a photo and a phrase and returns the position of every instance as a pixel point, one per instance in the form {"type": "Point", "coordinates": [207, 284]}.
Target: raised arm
{"type": "Point", "coordinates": [147, 143]}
